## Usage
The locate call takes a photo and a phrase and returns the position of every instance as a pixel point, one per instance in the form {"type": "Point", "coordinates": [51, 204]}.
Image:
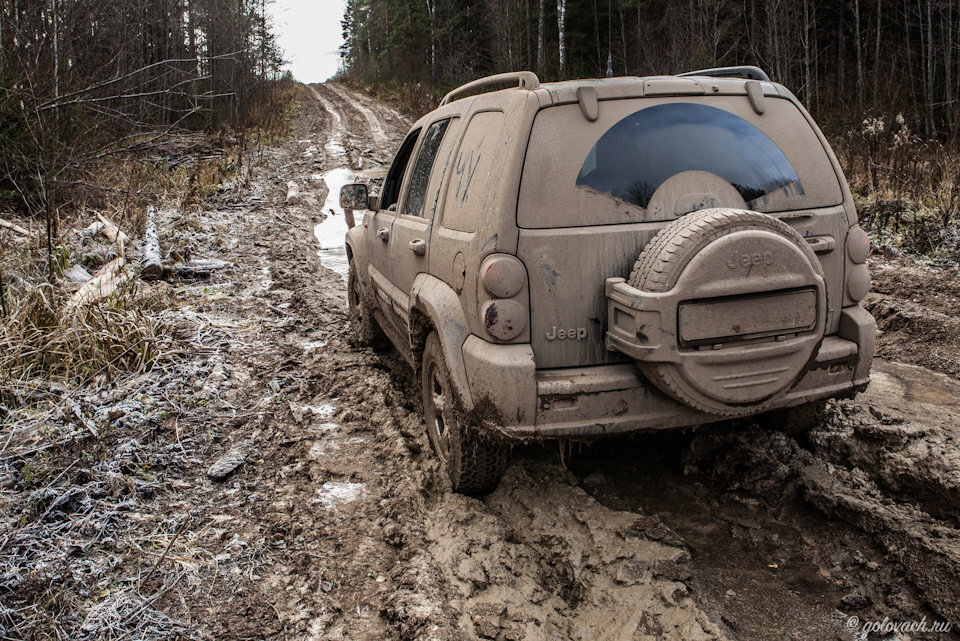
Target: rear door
{"type": "Point", "coordinates": [592, 198]}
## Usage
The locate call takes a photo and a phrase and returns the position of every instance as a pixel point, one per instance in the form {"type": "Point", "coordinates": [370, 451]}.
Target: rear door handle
{"type": "Point", "coordinates": [418, 246]}
{"type": "Point", "coordinates": [384, 234]}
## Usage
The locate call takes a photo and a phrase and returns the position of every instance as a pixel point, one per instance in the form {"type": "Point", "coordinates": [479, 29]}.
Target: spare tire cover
{"type": "Point", "coordinates": [750, 308]}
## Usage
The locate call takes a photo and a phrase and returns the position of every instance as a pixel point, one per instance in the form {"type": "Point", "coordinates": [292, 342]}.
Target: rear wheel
{"type": "Point", "coordinates": [364, 331]}
{"type": "Point", "coordinates": [474, 465]}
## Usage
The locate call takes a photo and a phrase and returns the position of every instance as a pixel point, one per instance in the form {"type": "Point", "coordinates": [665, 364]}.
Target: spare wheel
{"type": "Point", "coordinates": [741, 303]}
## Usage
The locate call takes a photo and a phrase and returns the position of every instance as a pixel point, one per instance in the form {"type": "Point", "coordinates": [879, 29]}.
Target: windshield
{"type": "Point", "coordinates": [685, 137]}
{"type": "Point", "coordinates": [579, 173]}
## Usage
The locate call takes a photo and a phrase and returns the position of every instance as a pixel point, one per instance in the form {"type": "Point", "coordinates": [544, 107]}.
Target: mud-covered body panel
{"type": "Point", "coordinates": [511, 189]}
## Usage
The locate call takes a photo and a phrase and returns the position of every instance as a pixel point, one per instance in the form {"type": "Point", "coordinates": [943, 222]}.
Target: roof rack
{"type": "Point", "coordinates": [524, 80]}
{"type": "Point", "coordinates": [749, 72]}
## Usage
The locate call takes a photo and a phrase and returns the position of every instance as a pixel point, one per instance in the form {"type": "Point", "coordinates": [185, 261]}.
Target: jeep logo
{"type": "Point", "coordinates": [555, 334]}
{"type": "Point", "coordinates": [746, 261]}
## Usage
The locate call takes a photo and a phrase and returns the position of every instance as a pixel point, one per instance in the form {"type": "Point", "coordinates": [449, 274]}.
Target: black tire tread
{"type": "Point", "coordinates": [364, 330]}
{"type": "Point", "coordinates": [476, 463]}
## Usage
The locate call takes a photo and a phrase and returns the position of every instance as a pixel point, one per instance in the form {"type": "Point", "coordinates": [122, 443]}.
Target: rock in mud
{"type": "Point", "coordinates": [226, 464]}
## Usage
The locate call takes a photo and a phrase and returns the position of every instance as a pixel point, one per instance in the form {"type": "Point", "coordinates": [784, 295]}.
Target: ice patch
{"type": "Point", "coordinates": [309, 347]}
{"type": "Point", "coordinates": [333, 492]}
{"type": "Point", "coordinates": [320, 448]}
{"type": "Point", "coordinates": [320, 411]}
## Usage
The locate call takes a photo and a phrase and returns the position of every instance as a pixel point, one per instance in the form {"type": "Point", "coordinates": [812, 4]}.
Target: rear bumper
{"type": "Point", "coordinates": [604, 400]}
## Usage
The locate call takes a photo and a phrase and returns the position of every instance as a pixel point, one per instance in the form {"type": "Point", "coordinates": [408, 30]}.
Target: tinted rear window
{"type": "Point", "coordinates": [579, 173]}
{"type": "Point", "coordinates": [639, 153]}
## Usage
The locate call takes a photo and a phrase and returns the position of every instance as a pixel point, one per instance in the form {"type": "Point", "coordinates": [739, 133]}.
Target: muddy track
{"type": "Point", "coordinates": [338, 525]}
{"type": "Point", "coordinates": [728, 532]}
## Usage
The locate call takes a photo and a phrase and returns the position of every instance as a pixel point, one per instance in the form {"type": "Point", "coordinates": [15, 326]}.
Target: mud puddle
{"type": "Point", "coordinates": [752, 573]}
{"type": "Point", "coordinates": [330, 233]}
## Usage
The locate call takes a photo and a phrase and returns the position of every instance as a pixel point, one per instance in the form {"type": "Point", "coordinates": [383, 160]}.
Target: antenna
{"type": "Point", "coordinates": [609, 38]}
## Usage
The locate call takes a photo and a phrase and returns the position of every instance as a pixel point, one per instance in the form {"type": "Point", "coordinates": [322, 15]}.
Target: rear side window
{"type": "Point", "coordinates": [475, 172]}
{"type": "Point", "coordinates": [643, 150]}
{"type": "Point", "coordinates": [421, 169]}
{"type": "Point", "coordinates": [578, 173]}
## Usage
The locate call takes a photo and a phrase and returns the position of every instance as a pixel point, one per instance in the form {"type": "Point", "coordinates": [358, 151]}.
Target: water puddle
{"type": "Point", "coordinates": [330, 233]}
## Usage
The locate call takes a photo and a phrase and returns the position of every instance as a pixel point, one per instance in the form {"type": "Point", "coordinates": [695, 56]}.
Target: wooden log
{"type": "Point", "coordinates": [17, 229]}
{"type": "Point", "coordinates": [152, 263]}
{"type": "Point", "coordinates": [113, 233]}
{"type": "Point", "coordinates": [201, 268]}
{"type": "Point", "coordinates": [105, 282]}
{"type": "Point", "coordinates": [293, 192]}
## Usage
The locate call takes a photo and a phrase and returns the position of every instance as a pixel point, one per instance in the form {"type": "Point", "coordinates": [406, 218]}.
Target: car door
{"type": "Point", "coordinates": [379, 228]}
{"type": "Point", "coordinates": [410, 237]}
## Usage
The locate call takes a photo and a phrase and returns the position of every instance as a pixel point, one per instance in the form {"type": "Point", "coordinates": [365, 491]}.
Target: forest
{"type": "Point", "coordinates": [882, 77]}
{"type": "Point", "coordinates": [83, 82]}
{"type": "Point", "coordinates": [841, 58]}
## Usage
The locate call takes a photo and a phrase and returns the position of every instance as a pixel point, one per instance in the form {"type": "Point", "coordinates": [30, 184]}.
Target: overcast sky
{"type": "Point", "coordinates": [309, 32]}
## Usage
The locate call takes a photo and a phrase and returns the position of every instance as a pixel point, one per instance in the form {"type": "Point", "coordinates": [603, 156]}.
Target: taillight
{"type": "Point", "coordinates": [502, 275]}
{"type": "Point", "coordinates": [858, 245]}
{"type": "Point", "coordinates": [858, 277]}
{"type": "Point", "coordinates": [505, 313]}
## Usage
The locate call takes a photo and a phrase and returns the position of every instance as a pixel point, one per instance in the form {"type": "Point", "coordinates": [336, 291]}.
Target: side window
{"type": "Point", "coordinates": [391, 184]}
{"type": "Point", "coordinates": [475, 172]}
{"type": "Point", "coordinates": [440, 167]}
{"type": "Point", "coordinates": [423, 166]}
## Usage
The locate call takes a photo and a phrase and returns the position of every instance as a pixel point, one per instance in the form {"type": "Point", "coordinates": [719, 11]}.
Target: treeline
{"type": "Point", "coordinates": [842, 58]}
{"type": "Point", "coordinates": [83, 80]}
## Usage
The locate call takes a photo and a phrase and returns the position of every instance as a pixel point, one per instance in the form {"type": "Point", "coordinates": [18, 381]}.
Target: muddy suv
{"type": "Point", "coordinates": [596, 257]}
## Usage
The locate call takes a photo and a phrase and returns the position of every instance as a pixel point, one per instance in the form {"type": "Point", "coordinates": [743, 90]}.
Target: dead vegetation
{"type": "Point", "coordinates": [907, 188]}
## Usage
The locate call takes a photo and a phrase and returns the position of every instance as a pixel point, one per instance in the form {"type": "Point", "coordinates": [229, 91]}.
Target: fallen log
{"type": "Point", "coordinates": [105, 282]}
{"type": "Point", "coordinates": [152, 263]}
{"type": "Point", "coordinates": [17, 229]}
{"type": "Point", "coordinates": [201, 268]}
{"type": "Point", "coordinates": [113, 233]}
{"type": "Point", "coordinates": [293, 192]}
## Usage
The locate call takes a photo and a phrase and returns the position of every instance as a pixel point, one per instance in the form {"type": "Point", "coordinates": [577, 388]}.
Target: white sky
{"type": "Point", "coordinates": [309, 33]}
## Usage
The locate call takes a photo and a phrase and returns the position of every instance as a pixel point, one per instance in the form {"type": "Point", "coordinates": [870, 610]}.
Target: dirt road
{"type": "Point", "coordinates": [336, 525]}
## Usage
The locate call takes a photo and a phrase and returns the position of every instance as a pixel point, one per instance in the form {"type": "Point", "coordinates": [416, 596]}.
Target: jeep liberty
{"type": "Point", "coordinates": [589, 258]}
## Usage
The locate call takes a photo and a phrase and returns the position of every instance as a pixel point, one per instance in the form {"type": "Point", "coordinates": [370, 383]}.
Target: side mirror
{"type": "Point", "coordinates": [353, 196]}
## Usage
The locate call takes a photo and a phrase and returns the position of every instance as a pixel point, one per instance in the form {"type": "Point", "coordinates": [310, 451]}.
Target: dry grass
{"type": "Point", "coordinates": [907, 189]}
{"type": "Point", "coordinates": [93, 344]}
{"type": "Point", "coordinates": [412, 100]}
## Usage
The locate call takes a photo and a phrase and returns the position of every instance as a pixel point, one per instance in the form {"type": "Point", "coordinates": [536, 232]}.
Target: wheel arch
{"type": "Point", "coordinates": [435, 306]}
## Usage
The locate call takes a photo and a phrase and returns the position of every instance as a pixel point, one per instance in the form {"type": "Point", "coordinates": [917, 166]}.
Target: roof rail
{"type": "Point", "coordinates": [524, 80]}
{"type": "Point", "coordinates": [749, 72]}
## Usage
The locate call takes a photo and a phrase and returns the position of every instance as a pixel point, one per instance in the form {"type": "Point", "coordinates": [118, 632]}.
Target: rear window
{"type": "Point", "coordinates": [607, 172]}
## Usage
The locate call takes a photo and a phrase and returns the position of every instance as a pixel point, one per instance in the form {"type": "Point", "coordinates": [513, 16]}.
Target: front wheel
{"type": "Point", "coordinates": [364, 331]}
{"type": "Point", "coordinates": [474, 465]}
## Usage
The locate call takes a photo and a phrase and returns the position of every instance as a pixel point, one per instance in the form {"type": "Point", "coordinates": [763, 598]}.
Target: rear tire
{"type": "Point", "coordinates": [660, 266]}
{"type": "Point", "coordinates": [364, 331]}
{"type": "Point", "coordinates": [473, 464]}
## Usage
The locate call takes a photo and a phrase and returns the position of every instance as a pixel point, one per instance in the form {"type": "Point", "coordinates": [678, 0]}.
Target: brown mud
{"type": "Point", "coordinates": [336, 524]}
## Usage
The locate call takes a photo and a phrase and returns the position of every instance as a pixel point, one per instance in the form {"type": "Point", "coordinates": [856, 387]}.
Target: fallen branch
{"type": "Point", "coordinates": [293, 192]}
{"type": "Point", "coordinates": [152, 264]}
{"type": "Point", "coordinates": [113, 233]}
{"type": "Point", "coordinates": [17, 229]}
{"type": "Point", "coordinates": [104, 283]}
{"type": "Point", "coordinates": [201, 268]}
